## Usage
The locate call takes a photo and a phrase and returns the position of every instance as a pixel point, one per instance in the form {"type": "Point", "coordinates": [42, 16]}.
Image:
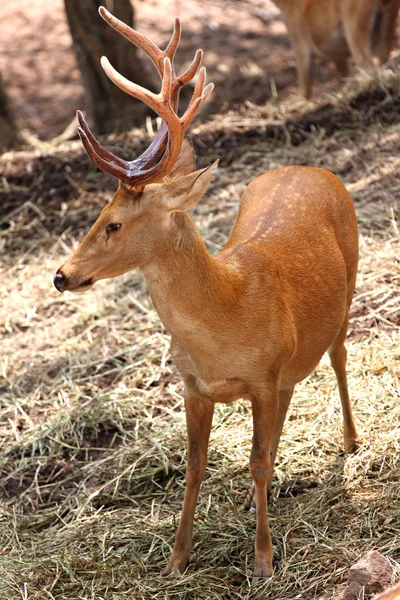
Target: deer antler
{"type": "Point", "coordinates": [148, 167]}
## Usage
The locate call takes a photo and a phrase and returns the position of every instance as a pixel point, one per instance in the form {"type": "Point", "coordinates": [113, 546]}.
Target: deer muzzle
{"type": "Point", "coordinates": [62, 283]}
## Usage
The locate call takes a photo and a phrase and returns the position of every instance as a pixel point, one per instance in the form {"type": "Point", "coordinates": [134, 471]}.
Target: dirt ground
{"type": "Point", "coordinates": [92, 425]}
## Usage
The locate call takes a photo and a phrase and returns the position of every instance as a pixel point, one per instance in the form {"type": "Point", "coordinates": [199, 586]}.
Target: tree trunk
{"type": "Point", "coordinates": [111, 109]}
{"type": "Point", "coordinates": [9, 132]}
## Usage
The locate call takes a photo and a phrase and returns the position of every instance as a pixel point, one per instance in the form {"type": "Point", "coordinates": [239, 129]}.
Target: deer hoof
{"type": "Point", "coordinates": [261, 574]}
{"type": "Point", "coordinates": [352, 445]}
{"type": "Point", "coordinates": [174, 568]}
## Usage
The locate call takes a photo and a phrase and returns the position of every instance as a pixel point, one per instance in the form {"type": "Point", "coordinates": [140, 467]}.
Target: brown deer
{"type": "Point", "coordinates": [336, 29]}
{"type": "Point", "coordinates": [249, 322]}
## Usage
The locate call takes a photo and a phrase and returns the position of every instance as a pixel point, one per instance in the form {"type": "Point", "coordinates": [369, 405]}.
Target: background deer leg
{"type": "Point", "coordinates": [303, 60]}
{"type": "Point", "coordinates": [199, 414]}
{"type": "Point", "coordinates": [265, 410]}
{"type": "Point", "coordinates": [357, 28]}
{"type": "Point", "coordinates": [302, 50]}
{"type": "Point", "coordinates": [338, 356]}
{"type": "Point", "coordinates": [383, 36]}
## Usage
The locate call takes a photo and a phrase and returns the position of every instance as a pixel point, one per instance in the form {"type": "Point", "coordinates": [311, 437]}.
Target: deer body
{"type": "Point", "coordinates": [336, 29]}
{"type": "Point", "coordinates": [249, 322]}
{"type": "Point", "coordinates": [233, 316]}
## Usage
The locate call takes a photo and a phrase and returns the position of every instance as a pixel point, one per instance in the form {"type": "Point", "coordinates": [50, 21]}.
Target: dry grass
{"type": "Point", "coordinates": [91, 413]}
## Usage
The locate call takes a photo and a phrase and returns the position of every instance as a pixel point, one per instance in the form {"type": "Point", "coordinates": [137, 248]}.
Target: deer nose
{"type": "Point", "coordinates": [60, 281]}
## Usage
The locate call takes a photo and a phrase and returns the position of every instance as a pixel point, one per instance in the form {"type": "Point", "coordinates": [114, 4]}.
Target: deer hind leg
{"type": "Point", "coordinates": [384, 30]}
{"type": "Point", "coordinates": [285, 397]}
{"type": "Point", "coordinates": [357, 22]}
{"type": "Point", "coordinates": [338, 357]}
{"type": "Point", "coordinates": [265, 409]}
{"type": "Point", "coordinates": [199, 415]}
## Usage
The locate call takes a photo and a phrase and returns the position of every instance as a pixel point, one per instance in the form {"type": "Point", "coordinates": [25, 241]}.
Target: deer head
{"type": "Point", "coordinates": [153, 187]}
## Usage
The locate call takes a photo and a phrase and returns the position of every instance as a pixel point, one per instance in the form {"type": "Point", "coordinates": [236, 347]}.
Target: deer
{"type": "Point", "coordinates": [336, 29]}
{"type": "Point", "coordinates": [250, 321]}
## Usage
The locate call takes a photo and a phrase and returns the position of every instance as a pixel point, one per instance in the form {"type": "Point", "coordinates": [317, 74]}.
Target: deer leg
{"type": "Point", "coordinates": [303, 61]}
{"type": "Point", "coordinates": [285, 397]}
{"type": "Point", "coordinates": [338, 357]}
{"type": "Point", "coordinates": [357, 28]}
{"type": "Point", "coordinates": [199, 413]}
{"type": "Point", "coordinates": [387, 20]}
{"type": "Point", "coordinates": [302, 49]}
{"type": "Point", "coordinates": [265, 408]}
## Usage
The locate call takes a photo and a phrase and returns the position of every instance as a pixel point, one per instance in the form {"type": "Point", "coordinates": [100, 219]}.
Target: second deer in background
{"type": "Point", "coordinates": [337, 29]}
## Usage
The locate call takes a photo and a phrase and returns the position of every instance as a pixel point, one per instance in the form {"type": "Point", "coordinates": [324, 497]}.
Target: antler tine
{"type": "Point", "coordinates": [144, 43]}
{"type": "Point", "coordinates": [154, 52]}
{"type": "Point", "coordinates": [165, 93]}
{"type": "Point", "coordinates": [100, 162]}
{"type": "Point", "coordinates": [154, 152]}
{"type": "Point", "coordinates": [198, 89]}
{"type": "Point", "coordinates": [158, 102]}
{"type": "Point", "coordinates": [98, 148]}
{"type": "Point", "coordinates": [199, 96]}
{"type": "Point", "coordinates": [192, 70]}
{"type": "Point", "coordinates": [195, 106]}
{"type": "Point", "coordinates": [149, 157]}
{"type": "Point", "coordinates": [182, 80]}
{"type": "Point", "coordinates": [170, 50]}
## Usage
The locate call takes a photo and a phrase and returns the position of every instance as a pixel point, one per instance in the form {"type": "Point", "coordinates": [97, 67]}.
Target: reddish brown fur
{"type": "Point", "coordinates": [336, 29]}
{"type": "Point", "coordinates": [250, 321]}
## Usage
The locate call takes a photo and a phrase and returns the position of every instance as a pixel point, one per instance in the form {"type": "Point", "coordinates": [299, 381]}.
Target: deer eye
{"type": "Point", "coordinates": [113, 227]}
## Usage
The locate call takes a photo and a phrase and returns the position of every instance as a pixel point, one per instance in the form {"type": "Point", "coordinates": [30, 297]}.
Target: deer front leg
{"type": "Point", "coordinates": [265, 407]}
{"type": "Point", "coordinates": [199, 414]}
{"type": "Point", "coordinates": [303, 59]}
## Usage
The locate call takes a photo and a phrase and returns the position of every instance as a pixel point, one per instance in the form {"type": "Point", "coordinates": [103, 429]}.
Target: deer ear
{"type": "Point", "coordinates": [187, 191]}
{"type": "Point", "coordinates": [186, 162]}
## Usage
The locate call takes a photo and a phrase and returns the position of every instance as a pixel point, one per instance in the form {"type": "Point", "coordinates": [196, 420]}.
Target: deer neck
{"type": "Point", "coordinates": [190, 290]}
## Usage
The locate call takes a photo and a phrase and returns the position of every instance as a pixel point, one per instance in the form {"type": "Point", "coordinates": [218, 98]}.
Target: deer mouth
{"type": "Point", "coordinates": [82, 287]}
